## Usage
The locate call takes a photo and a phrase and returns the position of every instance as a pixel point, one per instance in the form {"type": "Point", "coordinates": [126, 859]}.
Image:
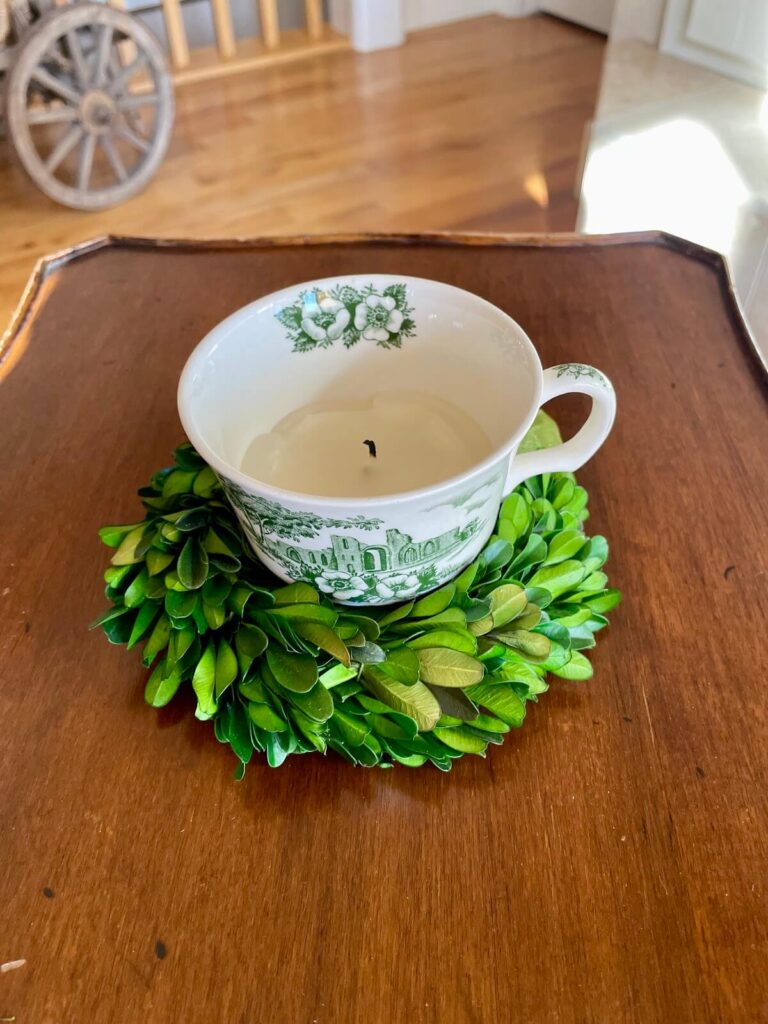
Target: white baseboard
{"type": "Point", "coordinates": [424, 13]}
{"type": "Point", "coordinates": [376, 25]}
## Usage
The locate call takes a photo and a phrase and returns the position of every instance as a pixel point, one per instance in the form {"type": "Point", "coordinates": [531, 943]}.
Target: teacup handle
{"type": "Point", "coordinates": [572, 454]}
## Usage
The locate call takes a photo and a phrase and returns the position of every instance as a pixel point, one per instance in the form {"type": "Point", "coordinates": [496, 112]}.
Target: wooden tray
{"type": "Point", "coordinates": [607, 864]}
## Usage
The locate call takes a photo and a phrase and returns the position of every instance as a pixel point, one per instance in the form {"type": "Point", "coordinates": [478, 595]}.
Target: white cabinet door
{"type": "Point", "coordinates": [595, 14]}
{"type": "Point", "coordinates": [731, 38]}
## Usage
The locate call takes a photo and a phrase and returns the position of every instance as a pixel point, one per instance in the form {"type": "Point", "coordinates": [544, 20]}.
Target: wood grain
{"type": "Point", "coordinates": [607, 864]}
{"type": "Point", "coordinates": [401, 140]}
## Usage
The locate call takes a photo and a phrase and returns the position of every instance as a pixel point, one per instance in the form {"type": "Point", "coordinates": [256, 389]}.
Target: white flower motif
{"type": "Point", "coordinates": [324, 320]}
{"type": "Point", "coordinates": [377, 317]}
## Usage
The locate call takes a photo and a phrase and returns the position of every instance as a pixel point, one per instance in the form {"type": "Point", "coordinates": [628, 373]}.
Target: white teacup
{"type": "Point", "coordinates": [446, 378]}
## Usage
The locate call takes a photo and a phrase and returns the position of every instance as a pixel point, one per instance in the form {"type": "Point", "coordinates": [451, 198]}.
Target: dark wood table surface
{"type": "Point", "coordinates": [607, 864]}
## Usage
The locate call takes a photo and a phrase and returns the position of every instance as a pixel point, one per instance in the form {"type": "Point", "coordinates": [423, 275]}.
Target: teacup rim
{"type": "Point", "coordinates": [221, 330]}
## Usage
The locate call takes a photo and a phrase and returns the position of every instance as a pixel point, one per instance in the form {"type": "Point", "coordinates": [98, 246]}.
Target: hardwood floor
{"type": "Point", "coordinates": [474, 125]}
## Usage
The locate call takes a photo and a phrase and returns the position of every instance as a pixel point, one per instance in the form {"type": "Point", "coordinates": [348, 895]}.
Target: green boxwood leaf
{"type": "Point", "coordinates": [454, 640]}
{"type": "Point", "coordinates": [449, 668]}
{"type": "Point", "coordinates": [397, 613]}
{"type": "Point", "coordinates": [316, 704]}
{"type": "Point", "coordinates": [216, 589]}
{"type": "Point", "coordinates": [192, 519]}
{"type": "Point", "coordinates": [506, 603]}
{"type": "Point", "coordinates": [543, 433]}
{"type": "Point", "coordinates": [204, 680]}
{"type": "Point", "coordinates": [488, 723]}
{"type": "Point", "coordinates": [479, 627]}
{"type": "Point", "coordinates": [137, 590]}
{"type": "Point", "coordinates": [515, 516]}
{"type": "Point", "coordinates": [337, 676]}
{"type": "Point", "coordinates": [133, 546]}
{"type": "Point", "coordinates": [226, 668]}
{"type": "Point", "coordinates": [158, 639]}
{"type": "Point", "coordinates": [454, 702]}
{"type": "Point", "coordinates": [266, 718]}
{"type": "Point", "coordinates": [323, 636]}
{"type": "Point", "coordinates": [416, 701]}
{"type": "Point", "coordinates": [501, 700]}
{"type": "Point", "coordinates": [496, 555]}
{"type": "Point", "coordinates": [205, 483]}
{"type": "Point", "coordinates": [366, 653]}
{"type": "Point", "coordinates": [558, 578]}
{"type": "Point", "coordinates": [460, 738]}
{"type": "Point", "coordinates": [296, 593]}
{"type": "Point", "coordinates": [113, 536]}
{"type": "Point", "coordinates": [147, 615]}
{"type": "Point", "coordinates": [117, 627]}
{"type": "Point", "coordinates": [215, 615]}
{"type": "Point", "coordinates": [180, 604]}
{"type": "Point", "coordinates": [306, 613]}
{"type": "Point", "coordinates": [434, 603]}
{"type": "Point", "coordinates": [278, 748]}
{"type": "Point", "coordinates": [533, 645]}
{"type": "Point", "coordinates": [353, 730]}
{"type": "Point", "coordinates": [239, 732]}
{"type": "Point", "coordinates": [564, 545]}
{"type": "Point", "coordinates": [402, 665]}
{"type": "Point", "coordinates": [182, 638]}
{"type": "Point", "coordinates": [577, 667]}
{"type": "Point", "coordinates": [157, 561]}
{"type": "Point", "coordinates": [295, 672]}
{"type": "Point", "coordinates": [362, 623]}
{"type": "Point", "coordinates": [178, 482]}
{"type": "Point", "coordinates": [161, 688]}
{"type": "Point", "coordinates": [466, 578]}
{"type": "Point", "coordinates": [192, 564]}
{"type": "Point", "coordinates": [603, 601]}
{"type": "Point", "coordinates": [535, 551]}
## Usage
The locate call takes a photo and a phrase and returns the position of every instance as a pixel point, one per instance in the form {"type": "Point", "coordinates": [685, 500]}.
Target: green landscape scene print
{"type": "Point", "coordinates": [318, 318]}
{"type": "Point", "coordinates": [349, 568]}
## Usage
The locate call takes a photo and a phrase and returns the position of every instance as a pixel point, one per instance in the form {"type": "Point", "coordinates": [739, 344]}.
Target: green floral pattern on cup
{"type": "Point", "coordinates": [344, 313]}
{"type": "Point", "coordinates": [579, 370]}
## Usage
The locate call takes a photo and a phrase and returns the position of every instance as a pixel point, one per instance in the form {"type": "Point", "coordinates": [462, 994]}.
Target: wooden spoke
{"type": "Point", "coordinates": [102, 56]}
{"type": "Point", "coordinates": [63, 147]}
{"type": "Point", "coordinates": [56, 53]}
{"type": "Point", "coordinates": [149, 99]}
{"type": "Point", "coordinates": [51, 115]}
{"type": "Point", "coordinates": [85, 163]}
{"type": "Point", "coordinates": [44, 78]}
{"type": "Point", "coordinates": [130, 136]}
{"type": "Point", "coordinates": [112, 155]}
{"type": "Point", "coordinates": [76, 50]}
{"type": "Point", "coordinates": [119, 82]}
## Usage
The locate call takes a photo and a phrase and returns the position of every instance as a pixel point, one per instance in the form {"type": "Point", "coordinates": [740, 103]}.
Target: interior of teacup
{"type": "Point", "coordinates": [353, 338]}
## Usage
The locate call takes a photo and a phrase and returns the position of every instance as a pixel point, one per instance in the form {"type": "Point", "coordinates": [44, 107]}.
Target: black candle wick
{"type": "Point", "coordinates": [371, 448]}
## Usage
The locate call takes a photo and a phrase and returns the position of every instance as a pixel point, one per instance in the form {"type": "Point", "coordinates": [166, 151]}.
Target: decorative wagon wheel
{"type": "Point", "coordinates": [89, 105]}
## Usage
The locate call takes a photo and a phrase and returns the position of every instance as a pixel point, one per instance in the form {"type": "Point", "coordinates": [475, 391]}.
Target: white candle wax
{"type": "Point", "coordinates": [320, 448]}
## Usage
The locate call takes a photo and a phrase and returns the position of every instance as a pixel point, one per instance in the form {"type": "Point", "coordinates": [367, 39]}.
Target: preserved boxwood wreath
{"type": "Point", "coordinates": [283, 670]}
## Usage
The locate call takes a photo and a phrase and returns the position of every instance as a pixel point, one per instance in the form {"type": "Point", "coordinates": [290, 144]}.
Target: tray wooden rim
{"type": "Point", "coordinates": [11, 343]}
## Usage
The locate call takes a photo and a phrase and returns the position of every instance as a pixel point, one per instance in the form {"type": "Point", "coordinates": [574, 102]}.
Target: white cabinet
{"type": "Point", "coordinates": [731, 37]}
